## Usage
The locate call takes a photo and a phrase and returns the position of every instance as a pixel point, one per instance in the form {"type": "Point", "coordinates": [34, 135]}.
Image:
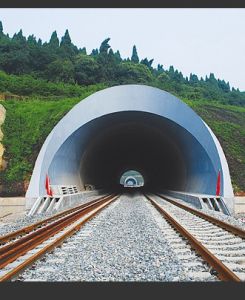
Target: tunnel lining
{"type": "Point", "coordinates": [123, 134]}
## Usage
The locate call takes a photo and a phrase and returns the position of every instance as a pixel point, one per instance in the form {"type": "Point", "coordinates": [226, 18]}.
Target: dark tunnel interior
{"type": "Point", "coordinates": [159, 149]}
{"type": "Point", "coordinates": [133, 145]}
{"type": "Point", "coordinates": [135, 141]}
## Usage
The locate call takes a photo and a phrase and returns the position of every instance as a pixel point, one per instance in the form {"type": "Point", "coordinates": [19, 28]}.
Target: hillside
{"type": "Point", "coordinates": [27, 124]}
{"type": "Point", "coordinates": [62, 62]}
{"type": "Point", "coordinates": [29, 121]}
{"type": "Point", "coordinates": [40, 82]}
{"type": "Point", "coordinates": [228, 124]}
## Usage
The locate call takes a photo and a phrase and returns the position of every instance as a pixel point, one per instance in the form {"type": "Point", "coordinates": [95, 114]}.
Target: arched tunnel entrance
{"type": "Point", "coordinates": [131, 181]}
{"type": "Point", "coordinates": [131, 177]}
{"type": "Point", "coordinates": [132, 127]}
{"type": "Point", "coordinates": [160, 149]}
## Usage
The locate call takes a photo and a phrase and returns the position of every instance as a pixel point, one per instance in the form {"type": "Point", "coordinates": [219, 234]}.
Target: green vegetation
{"type": "Point", "coordinates": [27, 86]}
{"type": "Point", "coordinates": [45, 80]}
{"type": "Point", "coordinates": [27, 124]}
{"type": "Point", "coordinates": [228, 124]}
{"type": "Point", "coordinates": [62, 62]}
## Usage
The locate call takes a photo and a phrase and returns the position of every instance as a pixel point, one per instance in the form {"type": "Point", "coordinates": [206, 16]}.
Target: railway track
{"type": "Point", "coordinates": [220, 247]}
{"type": "Point", "coordinates": [220, 244]}
{"type": "Point", "coordinates": [23, 247]}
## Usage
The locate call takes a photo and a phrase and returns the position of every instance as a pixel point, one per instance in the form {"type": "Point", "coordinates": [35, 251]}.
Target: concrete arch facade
{"type": "Point", "coordinates": [167, 141]}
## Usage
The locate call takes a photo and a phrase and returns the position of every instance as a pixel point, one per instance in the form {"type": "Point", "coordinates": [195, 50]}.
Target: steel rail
{"type": "Point", "coordinates": [231, 228]}
{"type": "Point", "coordinates": [12, 251]}
{"type": "Point", "coordinates": [13, 235]}
{"type": "Point", "coordinates": [60, 218]}
{"type": "Point", "coordinates": [224, 273]}
{"type": "Point", "coordinates": [20, 268]}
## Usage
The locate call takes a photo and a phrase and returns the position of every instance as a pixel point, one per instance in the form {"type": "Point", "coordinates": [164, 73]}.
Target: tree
{"type": "Point", "coordinates": [171, 71]}
{"type": "Point", "coordinates": [40, 56]}
{"type": "Point", "coordinates": [54, 41]}
{"type": "Point", "coordinates": [108, 65]}
{"type": "Point", "coordinates": [60, 70]}
{"type": "Point", "coordinates": [147, 62]}
{"type": "Point", "coordinates": [133, 73]}
{"type": "Point", "coordinates": [178, 77]}
{"type": "Point", "coordinates": [86, 70]}
{"type": "Point", "coordinates": [193, 79]}
{"type": "Point", "coordinates": [160, 68]}
{"type": "Point", "coordinates": [108, 62]}
{"type": "Point", "coordinates": [225, 87]}
{"type": "Point", "coordinates": [134, 57]}
{"type": "Point", "coordinates": [212, 79]}
{"type": "Point", "coordinates": [31, 40]}
{"type": "Point", "coordinates": [68, 50]}
{"type": "Point", "coordinates": [94, 52]}
{"type": "Point", "coordinates": [163, 77]}
{"type": "Point", "coordinates": [1, 28]}
{"type": "Point", "coordinates": [15, 62]}
{"type": "Point", "coordinates": [18, 37]}
{"type": "Point", "coordinates": [118, 56]}
{"type": "Point", "coordinates": [104, 46]}
{"type": "Point", "coordinates": [66, 40]}
{"type": "Point", "coordinates": [83, 51]}
{"type": "Point", "coordinates": [14, 54]}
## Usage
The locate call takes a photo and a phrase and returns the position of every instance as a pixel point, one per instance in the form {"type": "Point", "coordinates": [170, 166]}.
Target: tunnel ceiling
{"type": "Point", "coordinates": [132, 127]}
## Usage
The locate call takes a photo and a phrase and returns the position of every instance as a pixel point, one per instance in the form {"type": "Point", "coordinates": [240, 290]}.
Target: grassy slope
{"type": "Point", "coordinates": [29, 122]}
{"type": "Point", "coordinates": [228, 124]}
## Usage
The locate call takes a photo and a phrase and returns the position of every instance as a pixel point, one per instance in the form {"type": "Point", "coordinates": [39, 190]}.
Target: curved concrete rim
{"type": "Point", "coordinates": [130, 177]}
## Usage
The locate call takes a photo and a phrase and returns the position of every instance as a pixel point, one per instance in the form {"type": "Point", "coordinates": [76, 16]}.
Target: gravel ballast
{"type": "Point", "coordinates": [127, 241]}
{"type": "Point", "coordinates": [123, 243]}
{"type": "Point", "coordinates": [8, 226]}
{"type": "Point", "coordinates": [233, 220]}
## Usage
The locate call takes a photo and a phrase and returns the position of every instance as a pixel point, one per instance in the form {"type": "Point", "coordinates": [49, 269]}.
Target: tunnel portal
{"type": "Point", "coordinates": [130, 181]}
{"type": "Point", "coordinates": [132, 127]}
{"type": "Point", "coordinates": [136, 177]}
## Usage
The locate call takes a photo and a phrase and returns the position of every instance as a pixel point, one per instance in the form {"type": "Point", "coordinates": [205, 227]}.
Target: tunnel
{"type": "Point", "coordinates": [130, 181]}
{"type": "Point", "coordinates": [136, 177]}
{"type": "Point", "coordinates": [134, 127]}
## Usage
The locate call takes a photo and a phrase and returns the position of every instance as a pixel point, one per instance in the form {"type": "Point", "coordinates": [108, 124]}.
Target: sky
{"type": "Point", "coordinates": [199, 41]}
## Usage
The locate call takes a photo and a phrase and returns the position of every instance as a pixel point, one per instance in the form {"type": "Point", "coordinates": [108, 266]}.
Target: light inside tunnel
{"type": "Point", "coordinates": [131, 178]}
{"type": "Point", "coordinates": [166, 154]}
